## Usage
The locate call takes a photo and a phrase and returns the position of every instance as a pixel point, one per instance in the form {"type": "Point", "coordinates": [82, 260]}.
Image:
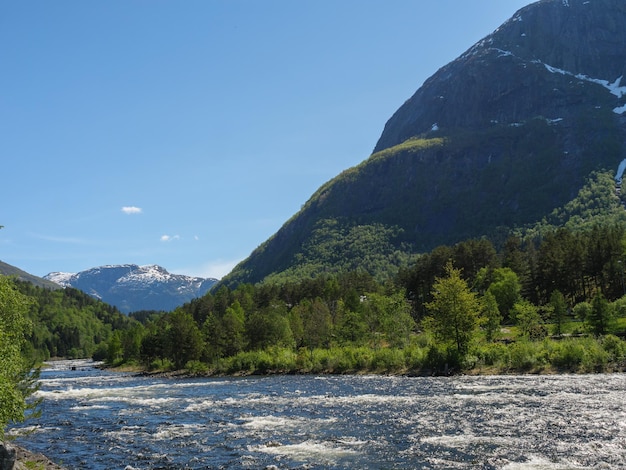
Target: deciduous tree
{"type": "Point", "coordinates": [454, 310]}
{"type": "Point", "coordinates": [15, 378]}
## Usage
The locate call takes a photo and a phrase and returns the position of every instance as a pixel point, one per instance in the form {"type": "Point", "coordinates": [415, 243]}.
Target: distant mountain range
{"type": "Point", "coordinates": [131, 288]}
{"type": "Point", "coordinates": [494, 141]}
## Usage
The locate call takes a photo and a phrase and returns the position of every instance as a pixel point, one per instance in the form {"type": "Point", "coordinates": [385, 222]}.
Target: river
{"type": "Point", "coordinates": [95, 419]}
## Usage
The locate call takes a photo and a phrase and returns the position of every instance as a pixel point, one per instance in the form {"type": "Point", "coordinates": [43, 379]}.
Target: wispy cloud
{"type": "Point", "coordinates": [56, 239]}
{"type": "Point", "coordinates": [169, 238]}
{"type": "Point", "coordinates": [216, 269]}
{"type": "Point", "coordinates": [129, 210]}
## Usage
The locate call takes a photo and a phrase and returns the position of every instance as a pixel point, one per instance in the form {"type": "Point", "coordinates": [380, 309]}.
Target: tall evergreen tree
{"type": "Point", "coordinates": [599, 317]}
{"type": "Point", "coordinates": [559, 311]}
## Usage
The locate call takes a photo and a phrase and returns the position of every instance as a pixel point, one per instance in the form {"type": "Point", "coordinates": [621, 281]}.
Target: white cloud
{"type": "Point", "coordinates": [131, 210]}
{"type": "Point", "coordinates": [169, 238]}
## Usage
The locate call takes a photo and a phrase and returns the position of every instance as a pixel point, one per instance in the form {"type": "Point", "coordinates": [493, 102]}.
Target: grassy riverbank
{"type": "Point", "coordinates": [549, 356]}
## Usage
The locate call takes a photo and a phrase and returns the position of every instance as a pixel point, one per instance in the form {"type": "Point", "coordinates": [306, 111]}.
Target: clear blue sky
{"type": "Point", "coordinates": [185, 133]}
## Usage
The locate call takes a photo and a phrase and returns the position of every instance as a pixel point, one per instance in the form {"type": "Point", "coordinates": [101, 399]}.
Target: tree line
{"type": "Point", "coordinates": [454, 306]}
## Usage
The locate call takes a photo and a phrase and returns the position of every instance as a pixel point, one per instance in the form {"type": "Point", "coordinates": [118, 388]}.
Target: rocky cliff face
{"type": "Point", "coordinates": [131, 288]}
{"type": "Point", "coordinates": [553, 59]}
{"type": "Point", "coordinates": [496, 139]}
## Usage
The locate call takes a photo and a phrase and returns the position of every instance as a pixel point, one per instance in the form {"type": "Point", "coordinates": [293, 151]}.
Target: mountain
{"type": "Point", "coordinates": [495, 140]}
{"type": "Point", "coordinates": [132, 288]}
{"type": "Point", "coordinates": [8, 270]}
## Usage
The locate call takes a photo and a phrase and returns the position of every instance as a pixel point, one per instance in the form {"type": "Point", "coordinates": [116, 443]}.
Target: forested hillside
{"type": "Point", "coordinates": [68, 323]}
{"type": "Point", "coordinates": [8, 270]}
{"type": "Point", "coordinates": [494, 141]}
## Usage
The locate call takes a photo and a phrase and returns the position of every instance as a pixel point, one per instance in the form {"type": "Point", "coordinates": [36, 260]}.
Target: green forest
{"type": "Point", "coordinates": [556, 303]}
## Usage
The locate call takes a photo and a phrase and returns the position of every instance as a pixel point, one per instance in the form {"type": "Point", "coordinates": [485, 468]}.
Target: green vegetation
{"type": "Point", "coordinates": [467, 307]}
{"type": "Point", "coordinates": [68, 323]}
{"type": "Point", "coordinates": [412, 145]}
{"type": "Point", "coordinates": [16, 378]}
{"type": "Point", "coordinates": [453, 311]}
{"type": "Point", "coordinates": [336, 247]}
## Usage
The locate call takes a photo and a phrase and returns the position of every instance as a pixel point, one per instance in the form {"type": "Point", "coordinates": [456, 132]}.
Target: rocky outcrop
{"type": "Point", "coordinates": [8, 455]}
{"type": "Point", "coordinates": [552, 59]}
{"type": "Point", "coordinates": [18, 458]}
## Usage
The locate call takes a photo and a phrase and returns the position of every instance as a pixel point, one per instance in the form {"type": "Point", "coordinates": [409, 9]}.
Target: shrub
{"type": "Point", "coordinates": [197, 367]}
{"type": "Point", "coordinates": [524, 355]}
{"type": "Point", "coordinates": [442, 359]}
{"type": "Point", "coordinates": [615, 347]}
{"type": "Point", "coordinates": [415, 357]}
{"type": "Point", "coordinates": [568, 354]}
{"type": "Point", "coordinates": [492, 354]}
{"type": "Point", "coordinates": [388, 360]}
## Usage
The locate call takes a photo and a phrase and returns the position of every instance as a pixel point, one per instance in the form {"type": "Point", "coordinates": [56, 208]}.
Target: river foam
{"type": "Point", "coordinates": [103, 420]}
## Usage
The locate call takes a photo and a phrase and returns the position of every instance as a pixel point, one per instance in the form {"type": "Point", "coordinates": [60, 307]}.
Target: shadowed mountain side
{"type": "Point", "coordinates": [495, 140]}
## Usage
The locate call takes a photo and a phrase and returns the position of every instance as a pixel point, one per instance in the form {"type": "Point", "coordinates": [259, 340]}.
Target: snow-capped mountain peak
{"type": "Point", "coordinates": [131, 287]}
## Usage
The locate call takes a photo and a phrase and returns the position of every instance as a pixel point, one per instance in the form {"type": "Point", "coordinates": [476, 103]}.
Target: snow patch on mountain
{"type": "Point", "coordinates": [60, 278]}
{"type": "Point", "coordinates": [131, 287]}
{"type": "Point", "coordinates": [615, 88]}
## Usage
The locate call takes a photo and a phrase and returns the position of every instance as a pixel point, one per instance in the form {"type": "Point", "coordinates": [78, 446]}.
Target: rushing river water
{"type": "Point", "coordinates": [95, 419]}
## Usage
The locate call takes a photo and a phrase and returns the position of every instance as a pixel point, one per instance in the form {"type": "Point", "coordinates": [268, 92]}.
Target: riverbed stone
{"type": "Point", "coordinates": [7, 456]}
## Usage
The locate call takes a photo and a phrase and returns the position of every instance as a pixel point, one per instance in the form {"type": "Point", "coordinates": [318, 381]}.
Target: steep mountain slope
{"type": "Point", "coordinates": [496, 139]}
{"type": "Point", "coordinates": [8, 270]}
{"type": "Point", "coordinates": [131, 288]}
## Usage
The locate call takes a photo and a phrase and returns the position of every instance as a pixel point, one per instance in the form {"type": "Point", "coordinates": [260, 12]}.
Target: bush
{"type": "Point", "coordinates": [415, 357]}
{"type": "Point", "coordinates": [492, 354]}
{"type": "Point", "coordinates": [596, 358]}
{"type": "Point", "coordinates": [524, 355]}
{"type": "Point", "coordinates": [361, 358]}
{"type": "Point", "coordinates": [615, 347]}
{"type": "Point", "coordinates": [197, 368]}
{"type": "Point", "coordinates": [162, 364]}
{"type": "Point", "coordinates": [100, 354]}
{"type": "Point", "coordinates": [441, 359]}
{"type": "Point", "coordinates": [388, 360]}
{"type": "Point", "coordinates": [567, 354]}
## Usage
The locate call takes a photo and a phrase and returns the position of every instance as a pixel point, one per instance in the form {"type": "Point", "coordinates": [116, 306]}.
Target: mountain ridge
{"type": "Point", "coordinates": [9, 270]}
{"type": "Point", "coordinates": [495, 140]}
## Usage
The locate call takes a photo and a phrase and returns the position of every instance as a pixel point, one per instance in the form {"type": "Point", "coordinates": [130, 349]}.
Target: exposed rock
{"type": "Point", "coordinates": [544, 61]}
{"type": "Point", "coordinates": [27, 460]}
{"type": "Point", "coordinates": [7, 456]}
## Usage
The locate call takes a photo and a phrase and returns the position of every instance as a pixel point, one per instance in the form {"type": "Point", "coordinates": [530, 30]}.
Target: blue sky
{"type": "Point", "coordinates": [185, 133]}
